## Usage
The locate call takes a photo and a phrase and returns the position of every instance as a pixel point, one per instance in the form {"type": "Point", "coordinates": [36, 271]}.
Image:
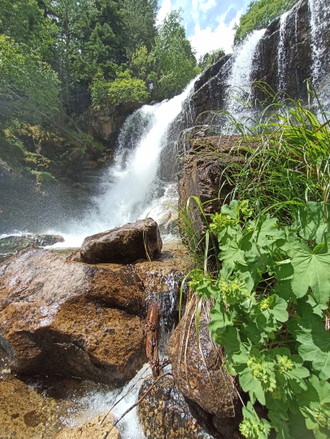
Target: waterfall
{"type": "Point", "coordinates": [240, 78]}
{"type": "Point", "coordinates": [131, 185]}
{"type": "Point", "coordinates": [281, 55]}
{"type": "Point", "coordinates": [320, 16]}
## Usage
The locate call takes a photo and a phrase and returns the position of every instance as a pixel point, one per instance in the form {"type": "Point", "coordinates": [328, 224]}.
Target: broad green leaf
{"type": "Point", "coordinates": [231, 341]}
{"type": "Point", "coordinates": [220, 318]}
{"type": "Point", "coordinates": [266, 230]}
{"type": "Point", "coordinates": [315, 406]}
{"type": "Point", "coordinates": [311, 222]}
{"type": "Point", "coordinates": [251, 385]}
{"type": "Point", "coordinates": [311, 270]}
{"type": "Point", "coordinates": [314, 341]}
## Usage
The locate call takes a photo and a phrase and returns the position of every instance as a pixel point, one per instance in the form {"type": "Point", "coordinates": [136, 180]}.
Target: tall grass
{"type": "Point", "coordinates": [290, 164]}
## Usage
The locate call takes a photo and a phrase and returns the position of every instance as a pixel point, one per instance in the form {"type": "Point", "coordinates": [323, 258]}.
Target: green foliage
{"type": "Point", "coordinates": [43, 177]}
{"type": "Point", "coordinates": [27, 83]}
{"type": "Point", "coordinates": [271, 300]}
{"type": "Point", "coordinates": [285, 155]}
{"type": "Point", "coordinates": [123, 89]}
{"type": "Point", "coordinates": [141, 18]}
{"type": "Point", "coordinates": [173, 62]}
{"type": "Point", "coordinates": [259, 14]}
{"type": "Point", "coordinates": [210, 58]}
{"type": "Point", "coordinates": [24, 22]}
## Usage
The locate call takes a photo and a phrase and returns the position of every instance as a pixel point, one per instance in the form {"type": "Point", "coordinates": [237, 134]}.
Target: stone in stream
{"type": "Point", "coordinates": [165, 414]}
{"type": "Point", "coordinates": [123, 245]}
{"type": "Point", "coordinates": [71, 319]}
{"type": "Point", "coordinates": [11, 244]}
{"type": "Point", "coordinates": [198, 370]}
{"type": "Point", "coordinates": [95, 428]}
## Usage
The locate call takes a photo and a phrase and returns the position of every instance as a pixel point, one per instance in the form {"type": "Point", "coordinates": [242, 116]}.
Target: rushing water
{"type": "Point", "coordinates": [281, 55]}
{"type": "Point", "coordinates": [240, 77]}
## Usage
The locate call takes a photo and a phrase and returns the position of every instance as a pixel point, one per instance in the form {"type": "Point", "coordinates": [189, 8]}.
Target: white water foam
{"type": "Point", "coordinates": [240, 78]}
{"type": "Point", "coordinates": [281, 56]}
{"type": "Point", "coordinates": [320, 15]}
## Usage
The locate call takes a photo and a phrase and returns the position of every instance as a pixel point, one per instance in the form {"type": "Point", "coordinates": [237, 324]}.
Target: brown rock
{"type": "Point", "coordinates": [70, 318]}
{"type": "Point", "coordinates": [165, 414]}
{"type": "Point", "coordinates": [202, 174]}
{"type": "Point", "coordinates": [197, 369]}
{"type": "Point", "coordinates": [96, 428]}
{"type": "Point", "coordinates": [124, 244]}
{"type": "Point", "coordinates": [24, 413]}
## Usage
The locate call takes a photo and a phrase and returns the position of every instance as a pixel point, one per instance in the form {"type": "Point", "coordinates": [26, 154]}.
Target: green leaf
{"type": "Point", "coordinates": [311, 222]}
{"type": "Point", "coordinates": [220, 318]}
{"type": "Point", "coordinates": [253, 386]}
{"type": "Point", "coordinates": [266, 230]}
{"type": "Point", "coordinates": [311, 269]}
{"type": "Point", "coordinates": [314, 340]}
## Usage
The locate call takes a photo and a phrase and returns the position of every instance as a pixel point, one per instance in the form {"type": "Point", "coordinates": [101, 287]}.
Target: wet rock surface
{"type": "Point", "coordinates": [165, 414]}
{"type": "Point", "coordinates": [24, 413]}
{"type": "Point", "coordinates": [124, 244]}
{"type": "Point", "coordinates": [71, 319]}
{"type": "Point", "coordinates": [198, 370]}
{"type": "Point", "coordinates": [98, 427]}
{"type": "Point", "coordinates": [11, 244]}
{"type": "Point", "coordinates": [201, 174]}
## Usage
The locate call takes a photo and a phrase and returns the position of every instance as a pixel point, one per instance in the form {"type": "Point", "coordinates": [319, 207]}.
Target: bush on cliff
{"type": "Point", "coordinates": [259, 14]}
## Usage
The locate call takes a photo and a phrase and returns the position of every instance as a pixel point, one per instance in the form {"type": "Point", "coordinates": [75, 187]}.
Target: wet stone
{"type": "Point", "coordinates": [165, 414]}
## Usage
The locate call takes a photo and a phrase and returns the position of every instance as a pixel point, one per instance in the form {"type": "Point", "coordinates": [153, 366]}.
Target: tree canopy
{"type": "Point", "coordinates": [62, 54]}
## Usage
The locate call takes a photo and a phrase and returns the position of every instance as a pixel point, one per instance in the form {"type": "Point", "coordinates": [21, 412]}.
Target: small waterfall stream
{"type": "Point", "coordinates": [240, 77]}
{"type": "Point", "coordinates": [281, 57]}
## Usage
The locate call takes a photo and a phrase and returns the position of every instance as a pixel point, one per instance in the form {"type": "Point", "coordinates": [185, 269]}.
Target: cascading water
{"type": "Point", "coordinates": [320, 15]}
{"type": "Point", "coordinates": [281, 55]}
{"type": "Point", "coordinates": [240, 78]}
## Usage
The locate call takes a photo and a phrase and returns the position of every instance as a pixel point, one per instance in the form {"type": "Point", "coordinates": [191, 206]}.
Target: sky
{"type": "Point", "coordinates": [208, 23]}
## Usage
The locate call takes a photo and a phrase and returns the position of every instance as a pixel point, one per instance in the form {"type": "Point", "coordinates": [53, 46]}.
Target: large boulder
{"type": "Point", "coordinates": [25, 413]}
{"type": "Point", "coordinates": [198, 368]}
{"type": "Point", "coordinates": [125, 244]}
{"type": "Point", "coordinates": [67, 318]}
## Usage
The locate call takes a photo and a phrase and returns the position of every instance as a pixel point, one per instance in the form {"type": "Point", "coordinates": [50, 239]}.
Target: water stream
{"type": "Point", "coordinates": [281, 54]}
{"type": "Point", "coordinates": [240, 77]}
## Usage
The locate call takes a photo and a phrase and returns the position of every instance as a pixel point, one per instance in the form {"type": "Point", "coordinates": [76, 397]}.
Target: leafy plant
{"type": "Point", "coordinates": [270, 304]}
{"type": "Point", "coordinates": [123, 89]}
{"type": "Point", "coordinates": [259, 14]}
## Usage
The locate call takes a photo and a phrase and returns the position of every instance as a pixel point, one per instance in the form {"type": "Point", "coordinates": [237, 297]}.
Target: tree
{"type": "Point", "coordinates": [141, 24]}
{"type": "Point", "coordinates": [172, 59]}
{"type": "Point", "coordinates": [259, 14]}
{"type": "Point", "coordinates": [28, 86]}
{"type": "Point", "coordinates": [24, 22]}
{"type": "Point", "coordinates": [123, 89]}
